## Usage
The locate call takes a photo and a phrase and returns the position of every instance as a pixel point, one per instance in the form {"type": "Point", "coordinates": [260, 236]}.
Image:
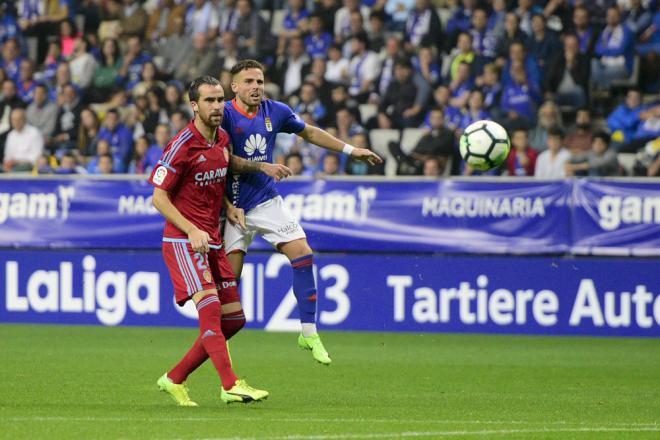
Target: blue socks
{"type": "Point", "coordinates": [304, 287]}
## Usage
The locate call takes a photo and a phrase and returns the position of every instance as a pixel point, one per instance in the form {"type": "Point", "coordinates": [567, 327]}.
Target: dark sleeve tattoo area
{"type": "Point", "coordinates": [241, 166]}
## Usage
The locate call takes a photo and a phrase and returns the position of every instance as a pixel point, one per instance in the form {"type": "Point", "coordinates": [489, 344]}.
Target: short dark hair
{"type": "Point", "coordinates": [556, 131]}
{"type": "Point", "coordinates": [193, 89]}
{"type": "Point", "coordinates": [363, 38]}
{"type": "Point", "coordinates": [378, 15]}
{"type": "Point", "coordinates": [316, 15]}
{"type": "Point", "coordinates": [403, 61]}
{"type": "Point", "coordinates": [602, 135]}
{"type": "Point", "coordinates": [245, 65]}
{"type": "Point", "coordinates": [292, 155]}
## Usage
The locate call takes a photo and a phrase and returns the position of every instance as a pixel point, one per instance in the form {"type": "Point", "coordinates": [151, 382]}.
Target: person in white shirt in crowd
{"type": "Point", "coordinates": [343, 19]}
{"type": "Point", "coordinates": [82, 65]}
{"type": "Point", "coordinates": [550, 164]}
{"type": "Point", "coordinates": [364, 68]}
{"type": "Point", "coordinates": [202, 17]}
{"type": "Point", "coordinates": [24, 145]}
{"type": "Point", "coordinates": [336, 69]}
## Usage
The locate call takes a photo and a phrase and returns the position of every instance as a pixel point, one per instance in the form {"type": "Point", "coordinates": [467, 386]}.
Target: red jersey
{"type": "Point", "coordinates": [193, 172]}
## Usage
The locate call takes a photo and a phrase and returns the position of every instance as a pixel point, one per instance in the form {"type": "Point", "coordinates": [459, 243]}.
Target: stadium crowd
{"type": "Point", "coordinates": [99, 86]}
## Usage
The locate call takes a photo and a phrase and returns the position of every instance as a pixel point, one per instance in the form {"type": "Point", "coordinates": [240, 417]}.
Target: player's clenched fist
{"type": "Point", "coordinates": [199, 240]}
{"type": "Point", "coordinates": [276, 170]}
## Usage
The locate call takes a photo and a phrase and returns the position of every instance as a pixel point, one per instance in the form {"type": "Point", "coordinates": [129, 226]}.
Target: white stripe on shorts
{"type": "Point", "coordinates": [182, 269]}
{"type": "Point", "coordinates": [191, 266]}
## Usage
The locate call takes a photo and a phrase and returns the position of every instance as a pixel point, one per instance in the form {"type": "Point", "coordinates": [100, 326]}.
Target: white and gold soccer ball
{"type": "Point", "coordinates": [484, 145]}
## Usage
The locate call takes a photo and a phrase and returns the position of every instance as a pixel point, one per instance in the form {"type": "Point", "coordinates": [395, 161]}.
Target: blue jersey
{"type": "Point", "coordinates": [253, 138]}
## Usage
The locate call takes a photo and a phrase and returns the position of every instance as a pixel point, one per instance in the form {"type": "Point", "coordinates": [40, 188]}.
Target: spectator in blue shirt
{"type": "Point", "coordinates": [518, 56]}
{"type": "Point", "coordinates": [452, 115]}
{"type": "Point", "coordinates": [526, 10]}
{"type": "Point", "coordinates": [133, 63]}
{"type": "Point", "coordinates": [583, 29]}
{"type": "Point", "coordinates": [425, 64]}
{"type": "Point", "coordinates": [309, 103]}
{"type": "Point", "coordinates": [295, 163]}
{"type": "Point", "coordinates": [318, 41]}
{"type": "Point", "coordinates": [8, 25]}
{"type": "Point", "coordinates": [483, 40]}
{"type": "Point", "coordinates": [118, 136]}
{"type": "Point", "coordinates": [423, 27]}
{"type": "Point", "coordinates": [497, 18]}
{"type": "Point", "coordinates": [26, 83]}
{"type": "Point", "coordinates": [614, 51]}
{"type": "Point", "coordinates": [104, 162]}
{"type": "Point", "coordinates": [491, 84]}
{"type": "Point", "coordinates": [543, 43]}
{"type": "Point", "coordinates": [520, 98]}
{"type": "Point", "coordinates": [461, 86]}
{"type": "Point", "coordinates": [295, 24]}
{"type": "Point", "coordinates": [475, 110]}
{"type": "Point", "coordinates": [460, 21]}
{"type": "Point", "coordinates": [51, 63]}
{"type": "Point", "coordinates": [623, 121]}
{"type": "Point", "coordinates": [11, 59]}
{"type": "Point", "coordinates": [162, 135]}
{"type": "Point", "coordinates": [637, 18]}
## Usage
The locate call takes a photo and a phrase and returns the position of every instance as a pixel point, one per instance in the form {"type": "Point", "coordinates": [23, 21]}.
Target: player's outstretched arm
{"type": "Point", "coordinates": [274, 170]}
{"type": "Point", "coordinates": [322, 138]}
{"type": "Point", "coordinates": [199, 240]}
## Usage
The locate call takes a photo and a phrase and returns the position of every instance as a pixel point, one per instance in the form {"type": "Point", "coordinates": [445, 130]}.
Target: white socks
{"type": "Point", "coordinates": [308, 329]}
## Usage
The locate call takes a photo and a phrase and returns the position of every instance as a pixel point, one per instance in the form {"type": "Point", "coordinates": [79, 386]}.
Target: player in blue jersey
{"type": "Point", "coordinates": [253, 122]}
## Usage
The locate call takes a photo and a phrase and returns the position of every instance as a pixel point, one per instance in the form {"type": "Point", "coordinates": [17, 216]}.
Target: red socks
{"type": "Point", "coordinates": [195, 357]}
{"type": "Point", "coordinates": [211, 341]}
{"type": "Point", "coordinates": [231, 323]}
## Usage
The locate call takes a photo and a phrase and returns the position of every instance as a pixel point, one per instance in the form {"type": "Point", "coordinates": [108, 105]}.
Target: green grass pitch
{"type": "Point", "coordinates": [99, 383]}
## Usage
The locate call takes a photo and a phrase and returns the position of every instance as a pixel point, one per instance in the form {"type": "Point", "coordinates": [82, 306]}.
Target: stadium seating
{"type": "Point", "coordinates": [380, 139]}
{"type": "Point", "coordinates": [410, 137]}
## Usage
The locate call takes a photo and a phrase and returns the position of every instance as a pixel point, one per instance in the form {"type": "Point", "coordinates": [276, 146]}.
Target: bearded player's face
{"type": "Point", "coordinates": [210, 106]}
{"type": "Point", "coordinates": [248, 85]}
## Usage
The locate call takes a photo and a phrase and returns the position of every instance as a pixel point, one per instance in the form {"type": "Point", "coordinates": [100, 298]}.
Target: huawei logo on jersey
{"type": "Point", "coordinates": [255, 142]}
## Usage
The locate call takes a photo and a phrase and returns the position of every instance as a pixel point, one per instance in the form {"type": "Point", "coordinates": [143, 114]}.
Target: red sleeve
{"type": "Point", "coordinates": [171, 167]}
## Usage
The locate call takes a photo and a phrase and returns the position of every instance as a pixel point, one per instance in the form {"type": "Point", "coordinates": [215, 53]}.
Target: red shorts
{"type": "Point", "coordinates": [192, 272]}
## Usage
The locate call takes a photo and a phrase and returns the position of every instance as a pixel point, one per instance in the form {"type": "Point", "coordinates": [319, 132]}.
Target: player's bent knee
{"type": "Point", "coordinates": [232, 323]}
{"type": "Point", "coordinates": [197, 297]}
{"type": "Point", "coordinates": [232, 308]}
{"type": "Point", "coordinates": [296, 249]}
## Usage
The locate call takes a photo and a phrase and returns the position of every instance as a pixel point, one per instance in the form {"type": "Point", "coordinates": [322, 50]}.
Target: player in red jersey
{"type": "Point", "coordinates": [189, 183]}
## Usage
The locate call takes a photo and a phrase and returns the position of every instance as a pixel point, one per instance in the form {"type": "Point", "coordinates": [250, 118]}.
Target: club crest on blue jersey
{"type": "Point", "coordinates": [269, 124]}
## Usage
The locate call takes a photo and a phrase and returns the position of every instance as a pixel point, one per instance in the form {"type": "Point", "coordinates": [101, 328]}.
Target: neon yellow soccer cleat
{"type": "Point", "coordinates": [178, 392]}
{"type": "Point", "coordinates": [243, 393]}
{"type": "Point", "coordinates": [318, 350]}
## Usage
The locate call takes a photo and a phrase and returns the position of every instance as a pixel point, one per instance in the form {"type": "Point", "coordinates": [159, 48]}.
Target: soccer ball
{"type": "Point", "coordinates": [484, 145]}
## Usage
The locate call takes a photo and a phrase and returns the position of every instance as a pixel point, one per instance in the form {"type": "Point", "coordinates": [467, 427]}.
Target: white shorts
{"type": "Point", "coordinates": [271, 220]}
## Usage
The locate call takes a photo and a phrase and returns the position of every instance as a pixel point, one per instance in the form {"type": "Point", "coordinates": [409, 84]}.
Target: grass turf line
{"type": "Point", "coordinates": [92, 382]}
